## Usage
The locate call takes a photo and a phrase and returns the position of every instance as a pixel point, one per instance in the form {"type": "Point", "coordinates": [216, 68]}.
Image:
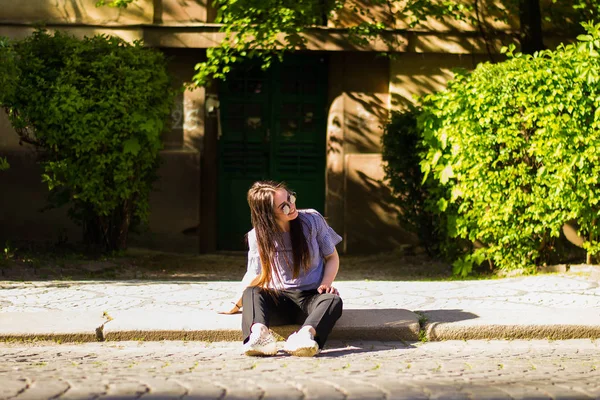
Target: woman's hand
{"type": "Point", "coordinates": [327, 289]}
{"type": "Point", "coordinates": [229, 308]}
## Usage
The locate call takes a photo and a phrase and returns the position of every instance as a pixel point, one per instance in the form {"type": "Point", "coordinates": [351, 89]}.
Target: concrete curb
{"type": "Point", "coordinates": [385, 324]}
{"type": "Point", "coordinates": [592, 270]}
{"type": "Point", "coordinates": [65, 326]}
{"type": "Point", "coordinates": [511, 324]}
{"type": "Point", "coordinates": [201, 325]}
{"type": "Point", "coordinates": [512, 332]}
{"type": "Point", "coordinates": [161, 325]}
{"type": "Point", "coordinates": [355, 324]}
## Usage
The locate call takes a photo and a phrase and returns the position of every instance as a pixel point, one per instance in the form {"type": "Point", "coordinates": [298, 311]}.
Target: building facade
{"type": "Point", "coordinates": [315, 121]}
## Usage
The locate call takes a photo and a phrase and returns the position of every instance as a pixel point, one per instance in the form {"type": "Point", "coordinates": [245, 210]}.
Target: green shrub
{"type": "Point", "coordinates": [8, 78]}
{"type": "Point", "coordinates": [95, 108]}
{"type": "Point", "coordinates": [517, 147]}
{"type": "Point", "coordinates": [8, 70]}
{"type": "Point", "coordinates": [417, 199]}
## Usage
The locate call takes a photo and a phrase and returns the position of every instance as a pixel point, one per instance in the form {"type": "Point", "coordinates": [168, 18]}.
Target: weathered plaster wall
{"type": "Point", "coordinates": [420, 74]}
{"type": "Point", "coordinates": [358, 201]}
{"type": "Point", "coordinates": [9, 140]}
{"type": "Point", "coordinates": [182, 11]}
{"type": "Point", "coordinates": [75, 11]}
{"type": "Point", "coordinates": [175, 204]}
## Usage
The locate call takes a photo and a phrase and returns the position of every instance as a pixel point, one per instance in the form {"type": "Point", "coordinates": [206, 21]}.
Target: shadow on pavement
{"type": "Point", "coordinates": [433, 316]}
{"type": "Point", "coordinates": [41, 266]}
{"type": "Point", "coordinates": [336, 349]}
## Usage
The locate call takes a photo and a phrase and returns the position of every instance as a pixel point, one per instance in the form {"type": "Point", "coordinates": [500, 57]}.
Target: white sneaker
{"type": "Point", "coordinates": [301, 344]}
{"type": "Point", "coordinates": [260, 343]}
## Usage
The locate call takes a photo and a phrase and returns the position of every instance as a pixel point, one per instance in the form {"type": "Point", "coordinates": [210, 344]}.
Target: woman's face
{"type": "Point", "coordinates": [285, 202]}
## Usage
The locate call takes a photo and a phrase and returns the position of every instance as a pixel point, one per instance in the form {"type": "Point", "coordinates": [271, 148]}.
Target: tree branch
{"type": "Point", "coordinates": [482, 31]}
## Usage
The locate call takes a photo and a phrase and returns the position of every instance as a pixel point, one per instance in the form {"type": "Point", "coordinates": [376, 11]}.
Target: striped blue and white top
{"type": "Point", "coordinates": [321, 239]}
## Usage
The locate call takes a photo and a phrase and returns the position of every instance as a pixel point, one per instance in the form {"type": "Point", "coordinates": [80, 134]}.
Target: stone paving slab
{"type": "Point", "coordinates": [534, 293]}
{"type": "Point", "coordinates": [553, 306]}
{"type": "Point", "coordinates": [516, 369]}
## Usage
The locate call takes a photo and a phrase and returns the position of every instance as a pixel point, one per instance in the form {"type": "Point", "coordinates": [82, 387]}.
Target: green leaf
{"type": "Point", "coordinates": [4, 165]}
{"type": "Point", "coordinates": [442, 204]}
{"type": "Point", "coordinates": [446, 174]}
{"type": "Point", "coordinates": [131, 146]}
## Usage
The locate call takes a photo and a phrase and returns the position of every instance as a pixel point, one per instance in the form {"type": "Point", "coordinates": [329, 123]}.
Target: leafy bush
{"type": "Point", "coordinates": [8, 70]}
{"type": "Point", "coordinates": [95, 108]}
{"type": "Point", "coordinates": [8, 78]}
{"type": "Point", "coordinates": [417, 199]}
{"type": "Point", "coordinates": [517, 147]}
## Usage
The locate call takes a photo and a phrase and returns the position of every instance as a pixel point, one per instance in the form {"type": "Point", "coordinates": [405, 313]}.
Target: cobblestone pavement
{"type": "Point", "coordinates": [535, 293]}
{"type": "Point", "coordinates": [356, 370]}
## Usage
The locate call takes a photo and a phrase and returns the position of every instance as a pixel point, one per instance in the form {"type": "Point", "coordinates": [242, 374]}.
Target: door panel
{"type": "Point", "coordinates": [273, 127]}
{"type": "Point", "coordinates": [243, 150]}
{"type": "Point", "coordinates": [300, 111]}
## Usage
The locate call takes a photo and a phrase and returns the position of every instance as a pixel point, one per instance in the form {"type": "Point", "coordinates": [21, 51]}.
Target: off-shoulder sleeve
{"type": "Point", "coordinates": [327, 238]}
{"type": "Point", "coordinates": [253, 255]}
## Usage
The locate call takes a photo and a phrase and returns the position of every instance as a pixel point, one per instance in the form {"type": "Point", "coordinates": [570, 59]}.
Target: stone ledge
{"type": "Point", "coordinates": [355, 324]}
{"type": "Point", "coordinates": [383, 324]}
{"type": "Point", "coordinates": [65, 326]}
{"type": "Point", "coordinates": [511, 324]}
{"type": "Point", "coordinates": [592, 270]}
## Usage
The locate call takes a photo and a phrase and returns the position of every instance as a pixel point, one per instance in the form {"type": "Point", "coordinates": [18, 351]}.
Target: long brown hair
{"type": "Point", "coordinates": [262, 213]}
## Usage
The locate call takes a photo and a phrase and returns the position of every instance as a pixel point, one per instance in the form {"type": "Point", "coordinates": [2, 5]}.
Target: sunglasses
{"type": "Point", "coordinates": [286, 206]}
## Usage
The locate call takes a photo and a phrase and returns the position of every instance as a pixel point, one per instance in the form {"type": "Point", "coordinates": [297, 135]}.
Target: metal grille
{"type": "Point", "coordinates": [243, 158]}
{"type": "Point", "coordinates": [298, 158]}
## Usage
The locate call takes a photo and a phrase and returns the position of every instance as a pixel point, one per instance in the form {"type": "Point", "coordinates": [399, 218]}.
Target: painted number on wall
{"type": "Point", "coordinates": [186, 116]}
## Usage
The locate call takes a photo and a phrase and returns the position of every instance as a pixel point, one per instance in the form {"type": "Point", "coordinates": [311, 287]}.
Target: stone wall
{"type": "Point", "coordinates": [358, 202]}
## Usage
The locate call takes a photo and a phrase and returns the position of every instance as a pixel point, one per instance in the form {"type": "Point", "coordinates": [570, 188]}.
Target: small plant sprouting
{"type": "Point", "coordinates": [422, 327]}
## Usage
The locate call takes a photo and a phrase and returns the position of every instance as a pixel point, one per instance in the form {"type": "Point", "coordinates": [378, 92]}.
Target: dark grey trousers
{"type": "Point", "coordinates": [284, 307]}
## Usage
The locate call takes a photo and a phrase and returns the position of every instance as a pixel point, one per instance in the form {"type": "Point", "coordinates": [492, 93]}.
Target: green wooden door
{"type": "Point", "coordinates": [273, 126]}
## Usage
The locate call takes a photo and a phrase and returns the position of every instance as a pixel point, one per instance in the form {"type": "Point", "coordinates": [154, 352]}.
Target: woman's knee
{"type": "Point", "coordinates": [252, 290]}
{"type": "Point", "coordinates": [336, 302]}
{"type": "Point", "coordinates": [249, 289]}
